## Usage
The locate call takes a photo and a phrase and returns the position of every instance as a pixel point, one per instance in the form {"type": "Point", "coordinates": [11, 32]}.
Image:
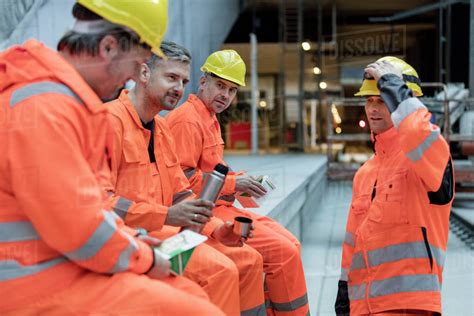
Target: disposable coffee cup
{"type": "Point", "coordinates": [242, 226]}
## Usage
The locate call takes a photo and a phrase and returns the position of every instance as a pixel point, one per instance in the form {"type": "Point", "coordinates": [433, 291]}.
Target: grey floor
{"type": "Point", "coordinates": [321, 252]}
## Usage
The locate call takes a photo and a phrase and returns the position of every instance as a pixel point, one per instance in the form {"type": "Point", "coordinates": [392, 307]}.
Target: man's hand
{"type": "Point", "coordinates": [380, 68]}
{"type": "Point", "coordinates": [225, 234]}
{"type": "Point", "coordinates": [195, 213]}
{"type": "Point", "coordinates": [161, 266]}
{"type": "Point", "coordinates": [249, 185]}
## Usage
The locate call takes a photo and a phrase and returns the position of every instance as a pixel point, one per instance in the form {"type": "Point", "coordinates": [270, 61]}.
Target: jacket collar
{"type": "Point", "coordinates": [387, 143]}
{"type": "Point", "coordinates": [64, 72]}
{"type": "Point", "coordinates": [125, 100]}
{"type": "Point", "coordinates": [207, 117]}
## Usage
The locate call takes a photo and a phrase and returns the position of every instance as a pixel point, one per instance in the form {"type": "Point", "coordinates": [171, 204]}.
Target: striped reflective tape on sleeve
{"type": "Point", "coordinates": [189, 172]}
{"type": "Point", "coordinates": [181, 196]}
{"type": "Point", "coordinates": [417, 153]}
{"type": "Point", "coordinates": [103, 233]}
{"type": "Point", "coordinates": [17, 231]}
{"type": "Point", "coordinates": [404, 109]}
{"type": "Point", "coordinates": [34, 89]}
{"type": "Point", "coordinates": [122, 206]}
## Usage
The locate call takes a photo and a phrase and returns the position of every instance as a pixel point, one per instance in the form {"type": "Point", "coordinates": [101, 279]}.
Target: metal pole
{"type": "Point", "coordinates": [300, 131]}
{"type": "Point", "coordinates": [471, 52]}
{"type": "Point", "coordinates": [281, 76]}
{"type": "Point", "coordinates": [255, 92]}
{"type": "Point", "coordinates": [313, 123]}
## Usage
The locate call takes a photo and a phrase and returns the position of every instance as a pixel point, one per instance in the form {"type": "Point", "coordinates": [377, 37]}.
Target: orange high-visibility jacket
{"type": "Point", "coordinates": [204, 150]}
{"type": "Point", "coordinates": [53, 220]}
{"type": "Point", "coordinates": [398, 224]}
{"type": "Point", "coordinates": [152, 187]}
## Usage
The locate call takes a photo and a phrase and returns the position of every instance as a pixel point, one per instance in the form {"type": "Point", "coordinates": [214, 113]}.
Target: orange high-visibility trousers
{"type": "Point", "coordinates": [123, 294]}
{"type": "Point", "coordinates": [213, 271]}
{"type": "Point", "coordinates": [250, 267]}
{"type": "Point", "coordinates": [235, 284]}
{"type": "Point", "coordinates": [284, 274]}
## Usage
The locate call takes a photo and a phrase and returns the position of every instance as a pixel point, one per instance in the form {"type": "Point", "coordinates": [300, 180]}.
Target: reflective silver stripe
{"type": "Point", "coordinates": [17, 231]}
{"type": "Point", "coordinates": [409, 250]}
{"type": "Point", "coordinates": [290, 306]}
{"type": "Point", "coordinates": [358, 261]}
{"type": "Point", "coordinates": [417, 153]}
{"type": "Point", "coordinates": [404, 109]}
{"type": "Point", "coordinates": [357, 292]}
{"type": "Point", "coordinates": [256, 311]}
{"type": "Point", "coordinates": [11, 269]}
{"type": "Point", "coordinates": [122, 206]}
{"type": "Point", "coordinates": [189, 172]}
{"type": "Point", "coordinates": [349, 239]}
{"type": "Point", "coordinates": [181, 196]}
{"type": "Point", "coordinates": [38, 88]}
{"type": "Point", "coordinates": [439, 255]}
{"type": "Point", "coordinates": [101, 236]}
{"type": "Point", "coordinates": [344, 274]}
{"type": "Point", "coordinates": [123, 262]}
{"type": "Point", "coordinates": [405, 283]}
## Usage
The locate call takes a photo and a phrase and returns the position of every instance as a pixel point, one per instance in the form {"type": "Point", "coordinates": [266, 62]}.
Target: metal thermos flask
{"type": "Point", "coordinates": [213, 183]}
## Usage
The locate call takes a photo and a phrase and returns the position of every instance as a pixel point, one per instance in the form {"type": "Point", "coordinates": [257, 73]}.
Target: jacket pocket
{"type": "Point", "coordinates": [131, 151]}
{"type": "Point", "coordinates": [388, 206]}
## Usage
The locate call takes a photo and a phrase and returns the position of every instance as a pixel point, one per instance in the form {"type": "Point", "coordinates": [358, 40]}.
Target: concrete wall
{"type": "Point", "coordinates": [200, 25]}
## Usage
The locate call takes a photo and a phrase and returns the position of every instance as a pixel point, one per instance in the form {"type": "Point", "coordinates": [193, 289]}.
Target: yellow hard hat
{"type": "Point", "coordinates": [226, 64]}
{"type": "Point", "coordinates": [148, 18]}
{"type": "Point", "coordinates": [410, 76]}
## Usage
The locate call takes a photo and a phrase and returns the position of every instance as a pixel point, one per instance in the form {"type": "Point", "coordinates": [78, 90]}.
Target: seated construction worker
{"type": "Point", "coordinates": [62, 250]}
{"type": "Point", "coordinates": [199, 146]}
{"type": "Point", "coordinates": [153, 192]}
{"type": "Point", "coordinates": [397, 230]}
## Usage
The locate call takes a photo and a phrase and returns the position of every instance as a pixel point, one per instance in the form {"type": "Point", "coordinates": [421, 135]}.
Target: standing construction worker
{"type": "Point", "coordinates": [62, 251]}
{"type": "Point", "coordinates": [154, 192]}
{"type": "Point", "coordinates": [397, 231]}
{"type": "Point", "coordinates": [200, 147]}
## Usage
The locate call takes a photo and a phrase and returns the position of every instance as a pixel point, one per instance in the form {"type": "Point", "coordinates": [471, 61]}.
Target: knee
{"type": "Point", "coordinates": [254, 260]}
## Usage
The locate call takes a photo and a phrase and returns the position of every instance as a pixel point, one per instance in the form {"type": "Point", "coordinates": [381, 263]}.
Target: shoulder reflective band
{"type": "Point", "coordinates": [34, 89]}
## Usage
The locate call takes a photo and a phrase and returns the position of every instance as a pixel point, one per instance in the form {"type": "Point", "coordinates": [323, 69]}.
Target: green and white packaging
{"type": "Point", "coordinates": [248, 201]}
{"type": "Point", "coordinates": [179, 248]}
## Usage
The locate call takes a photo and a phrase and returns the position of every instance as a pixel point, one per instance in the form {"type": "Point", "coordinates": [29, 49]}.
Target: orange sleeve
{"type": "Point", "coordinates": [61, 195]}
{"type": "Point", "coordinates": [150, 216]}
{"type": "Point", "coordinates": [421, 141]}
{"type": "Point", "coordinates": [188, 140]}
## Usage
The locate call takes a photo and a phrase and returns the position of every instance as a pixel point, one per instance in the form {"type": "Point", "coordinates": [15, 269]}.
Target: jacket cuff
{"type": "Point", "coordinates": [211, 226]}
{"type": "Point", "coordinates": [145, 260]}
{"type": "Point", "coordinates": [229, 184]}
{"type": "Point", "coordinates": [393, 91]}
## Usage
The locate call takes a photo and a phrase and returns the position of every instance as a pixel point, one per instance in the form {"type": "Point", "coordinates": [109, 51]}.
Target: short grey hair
{"type": "Point", "coordinates": [172, 51]}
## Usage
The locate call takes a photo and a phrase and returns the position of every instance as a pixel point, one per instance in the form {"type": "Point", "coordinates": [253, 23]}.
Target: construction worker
{"type": "Point", "coordinates": [154, 192]}
{"type": "Point", "coordinates": [395, 243]}
{"type": "Point", "coordinates": [199, 146]}
{"type": "Point", "coordinates": [62, 251]}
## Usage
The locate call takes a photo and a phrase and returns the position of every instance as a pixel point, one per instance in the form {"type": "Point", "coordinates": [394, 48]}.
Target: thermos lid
{"type": "Point", "coordinates": [221, 169]}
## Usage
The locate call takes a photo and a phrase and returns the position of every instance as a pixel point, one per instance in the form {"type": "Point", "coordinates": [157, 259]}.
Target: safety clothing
{"type": "Point", "coordinates": [226, 64]}
{"type": "Point", "coordinates": [200, 147]}
{"type": "Point", "coordinates": [148, 18]}
{"type": "Point", "coordinates": [155, 187]}
{"type": "Point", "coordinates": [57, 238]}
{"type": "Point", "coordinates": [410, 76]}
{"type": "Point", "coordinates": [397, 230]}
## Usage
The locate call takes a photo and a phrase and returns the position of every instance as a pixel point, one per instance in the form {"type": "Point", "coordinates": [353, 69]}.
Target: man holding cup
{"type": "Point", "coordinates": [199, 146]}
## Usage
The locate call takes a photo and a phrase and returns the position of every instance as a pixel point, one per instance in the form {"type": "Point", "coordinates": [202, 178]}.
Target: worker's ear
{"type": "Point", "coordinates": [108, 47]}
{"type": "Point", "coordinates": [202, 80]}
{"type": "Point", "coordinates": [144, 74]}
